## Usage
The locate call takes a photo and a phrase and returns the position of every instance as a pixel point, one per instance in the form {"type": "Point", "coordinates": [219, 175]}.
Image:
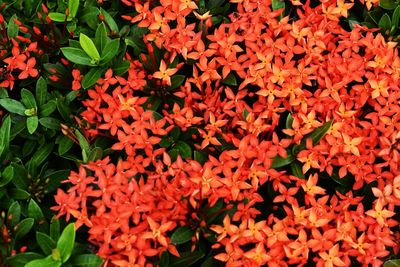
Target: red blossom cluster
{"type": "Point", "coordinates": [309, 67]}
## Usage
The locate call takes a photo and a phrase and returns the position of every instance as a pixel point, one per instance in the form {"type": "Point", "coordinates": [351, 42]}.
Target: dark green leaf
{"type": "Point", "coordinates": [95, 154]}
{"type": "Point", "coordinates": [164, 259]}
{"type": "Point", "coordinates": [64, 145]}
{"type": "Point", "coordinates": [13, 106]}
{"type": "Point", "coordinates": [50, 123]}
{"type": "Point", "coordinates": [21, 259]}
{"type": "Point", "coordinates": [210, 262]}
{"type": "Point", "coordinates": [109, 20]}
{"type": "Point", "coordinates": [5, 135]}
{"type": "Point", "coordinates": [32, 124]}
{"type": "Point", "coordinates": [277, 4]}
{"type": "Point", "coordinates": [57, 17]}
{"type": "Point", "coordinates": [182, 235]}
{"type": "Point", "coordinates": [78, 56]}
{"type": "Point", "coordinates": [87, 260]}
{"type": "Point", "coordinates": [14, 212]}
{"type": "Point", "coordinates": [296, 168]}
{"type": "Point", "coordinates": [186, 259]}
{"type": "Point", "coordinates": [121, 68]}
{"type": "Point", "coordinates": [65, 243]}
{"type": "Point", "coordinates": [278, 161]}
{"type": "Point", "coordinates": [184, 149]}
{"type": "Point", "coordinates": [41, 91]}
{"type": "Point", "coordinates": [73, 6]}
{"type": "Point", "coordinates": [177, 81]}
{"type": "Point", "coordinates": [45, 242]}
{"type": "Point", "coordinates": [64, 109]}
{"type": "Point", "coordinates": [101, 38]}
{"type": "Point", "coordinates": [19, 194]}
{"type": "Point", "coordinates": [175, 133]}
{"type": "Point", "coordinates": [54, 228]}
{"type": "Point", "coordinates": [23, 227]}
{"type": "Point", "coordinates": [20, 176]}
{"type": "Point", "coordinates": [34, 211]}
{"type": "Point", "coordinates": [89, 47]}
{"type": "Point", "coordinates": [388, 4]}
{"type": "Point", "coordinates": [315, 136]}
{"type": "Point", "coordinates": [200, 156]}
{"type": "Point", "coordinates": [12, 28]}
{"type": "Point", "coordinates": [28, 98]}
{"type": "Point", "coordinates": [7, 175]}
{"type": "Point", "coordinates": [48, 108]}
{"type": "Point", "coordinates": [396, 17]}
{"type": "Point", "coordinates": [385, 23]}
{"type": "Point", "coordinates": [110, 51]}
{"type": "Point", "coordinates": [46, 262]}
{"type": "Point", "coordinates": [230, 80]}
{"type": "Point", "coordinates": [91, 77]}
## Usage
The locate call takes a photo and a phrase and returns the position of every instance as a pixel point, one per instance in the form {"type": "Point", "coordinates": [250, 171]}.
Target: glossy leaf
{"type": "Point", "coordinates": [23, 227]}
{"type": "Point", "coordinates": [385, 23]}
{"type": "Point", "coordinates": [41, 91]}
{"type": "Point", "coordinates": [32, 124]}
{"type": "Point", "coordinates": [64, 145]}
{"type": "Point", "coordinates": [77, 55]}
{"type": "Point", "coordinates": [396, 17]}
{"type": "Point", "coordinates": [13, 106]}
{"type": "Point", "coordinates": [110, 21]}
{"type": "Point", "coordinates": [73, 6]}
{"type": "Point", "coordinates": [14, 212]}
{"type": "Point", "coordinates": [182, 235]}
{"type": "Point", "coordinates": [296, 168]}
{"type": "Point", "coordinates": [91, 77]}
{"type": "Point", "coordinates": [46, 262]}
{"type": "Point", "coordinates": [101, 38]}
{"type": "Point", "coordinates": [28, 99]}
{"type": "Point", "coordinates": [87, 260]}
{"type": "Point", "coordinates": [186, 259]}
{"type": "Point", "coordinates": [230, 80]}
{"type": "Point", "coordinates": [57, 17]}
{"type": "Point", "coordinates": [34, 211]}
{"type": "Point", "coordinates": [110, 51]}
{"type": "Point", "coordinates": [7, 175]}
{"type": "Point", "coordinates": [47, 109]}
{"type": "Point", "coordinates": [50, 123]}
{"type": "Point", "coordinates": [278, 161]}
{"type": "Point", "coordinates": [65, 243]}
{"type": "Point", "coordinates": [315, 136]}
{"type": "Point", "coordinates": [45, 242]}
{"type": "Point", "coordinates": [392, 263]}
{"type": "Point", "coordinates": [89, 47]}
{"type": "Point", "coordinates": [12, 27]}
{"type": "Point", "coordinates": [20, 259]}
{"type": "Point", "coordinates": [388, 4]}
{"type": "Point", "coordinates": [5, 130]}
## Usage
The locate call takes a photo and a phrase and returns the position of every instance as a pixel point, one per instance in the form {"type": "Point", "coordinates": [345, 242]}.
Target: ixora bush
{"type": "Point", "coordinates": [204, 133]}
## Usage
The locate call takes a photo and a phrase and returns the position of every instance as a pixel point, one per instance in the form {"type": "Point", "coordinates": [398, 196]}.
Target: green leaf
{"type": "Point", "coordinates": [50, 123]}
{"type": "Point", "coordinates": [19, 194]}
{"type": "Point", "coordinates": [23, 227]}
{"type": "Point", "coordinates": [34, 211]}
{"type": "Point", "coordinates": [73, 6]}
{"type": "Point", "coordinates": [46, 262]}
{"type": "Point", "coordinates": [388, 4]}
{"type": "Point", "coordinates": [91, 77]}
{"type": "Point", "coordinates": [110, 21]}
{"type": "Point", "coordinates": [164, 259]}
{"type": "Point", "coordinates": [90, 16]}
{"type": "Point", "coordinates": [385, 23]}
{"type": "Point", "coordinates": [12, 28]}
{"type": "Point", "coordinates": [315, 136]}
{"type": "Point", "coordinates": [5, 135]}
{"type": "Point", "coordinates": [101, 38]}
{"type": "Point", "coordinates": [175, 132]}
{"type": "Point", "coordinates": [278, 161]}
{"type": "Point", "coordinates": [7, 175]}
{"type": "Point", "coordinates": [89, 47]}
{"type": "Point", "coordinates": [41, 155]}
{"type": "Point", "coordinates": [289, 121]}
{"type": "Point", "coordinates": [65, 243]}
{"type": "Point", "coordinates": [182, 235]}
{"type": "Point", "coordinates": [45, 242]}
{"type": "Point", "coordinates": [296, 168]}
{"type": "Point", "coordinates": [95, 154]}
{"type": "Point", "coordinates": [200, 156]}
{"type": "Point", "coordinates": [64, 109]}
{"type": "Point", "coordinates": [186, 259]}
{"type": "Point", "coordinates": [55, 179]}
{"type": "Point", "coordinates": [177, 81]}
{"type": "Point", "coordinates": [48, 108]}
{"type": "Point", "coordinates": [277, 4]}
{"type": "Point", "coordinates": [78, 56]}
{"type": "Point", "coordinates": [20, 259]}
{"type": "Point", "coordinates": [87, 260]}
{"type": "Point", "coordinates": [14, 212]}
{"type": "Point", "coordinates": [121, 68]}
{"type": "Point", "coordinates": [13, 106]}
{"type": "Point", "coordinates": [230, 80]}
{"type": "Point", "coordinates": [41, 91]}
{"type": "Point", "coordinates": [32, 124]}
{"type": "Point", "coordinates": [392, 263]}
{"type": "Point", "coordinates": [64, 145]}
{"type": "Point", "coordinates": [54, 228]}
{"type": "Point", "coordinates": [28, 98]}
{"type": "Point", "coordinates": [396, 17]}
{"type": "Point", "coordinates": [110, 51]}
{"type": "Point", "coordinates": [57, 17]}
{"type": "Point", "coordinates": [184, 149]}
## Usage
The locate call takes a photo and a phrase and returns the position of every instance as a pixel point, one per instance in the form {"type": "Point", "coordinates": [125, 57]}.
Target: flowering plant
{"type": "Point", "coordinates": [182, 132]}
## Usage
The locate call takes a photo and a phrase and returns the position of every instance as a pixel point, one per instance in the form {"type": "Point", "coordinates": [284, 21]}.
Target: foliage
{"type": "Point", "coordinates": [179, 133]}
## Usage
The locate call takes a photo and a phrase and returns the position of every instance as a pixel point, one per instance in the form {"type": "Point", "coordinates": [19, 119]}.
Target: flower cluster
{"type": "Point", "coordinates": [233, 112]}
